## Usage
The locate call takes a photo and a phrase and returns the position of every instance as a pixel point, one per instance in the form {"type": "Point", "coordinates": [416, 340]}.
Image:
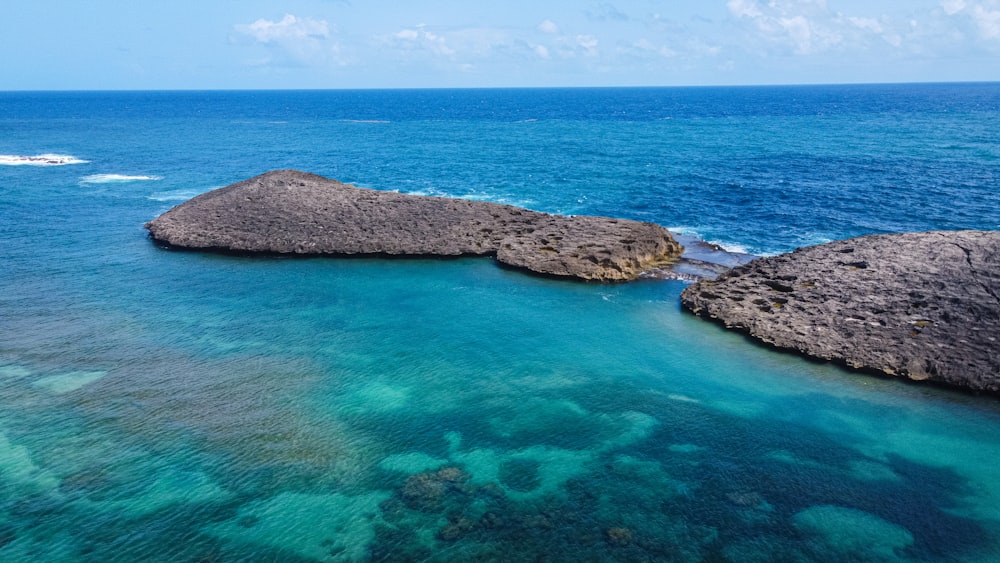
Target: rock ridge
{"type": "Point", "coordinates": [923, 306]}
{"type": "Point", "coordinates": [293, 212]}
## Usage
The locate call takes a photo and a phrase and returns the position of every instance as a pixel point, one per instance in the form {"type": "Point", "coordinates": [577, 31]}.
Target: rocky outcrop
{"type": "Point", "coordinates": [290, 212]}
{"type": "Point", "coordinates": [925, 306]}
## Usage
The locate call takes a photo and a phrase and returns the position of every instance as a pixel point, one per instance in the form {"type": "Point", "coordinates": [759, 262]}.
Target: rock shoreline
{"type": "Point", "coordinates": [923, 306]}
{"type": "Point", "coordinates": [292, 212]}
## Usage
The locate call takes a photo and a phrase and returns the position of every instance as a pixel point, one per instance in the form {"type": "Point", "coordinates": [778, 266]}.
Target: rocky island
{"type": "Point", "coordinates": [924, 306]}
{"type": "Point", "coordinates": [291, 212]}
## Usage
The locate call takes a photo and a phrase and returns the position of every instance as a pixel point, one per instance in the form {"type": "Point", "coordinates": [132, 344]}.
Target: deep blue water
{"type": "Point", "coordinates": [159, 405]}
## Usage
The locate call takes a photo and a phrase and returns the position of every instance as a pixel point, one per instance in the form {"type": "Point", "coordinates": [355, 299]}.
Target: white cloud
{"type": "Point", "coordinates": [952, 7]}
{"type": "Point", "coordinates": [462, 48]}
{"type": "Point", "coordinates": [800, 31]}
{"type": "Point", "coordinates": [548, 26]}
{"type": "Point", "coordinates": [644, 48]}
{"type": "Point", "coordinates": [607, 12]}
{"type": "Point", "coordinates": [984, 15]}
{"type": "Point", "coordinates": [588, 43]}
{"type": "Point", "coordinates": [419, 39]}
{"type": "Point", "coordinates": [869, 24]}
{"type": "Point", "coordinates": [808, 27]}
{"type": "Point", "coordinates": [486, 42]}
{"type": "Point", "coordinates": [482, 44]}
{"type": "Point", "coordinates": [289, 28]}
{"type": "Point", "coordinates": [988, 22]}
{"type": "Point", "coordinates": [802, 35]}
{"type": "Point", "coordinates": [744, 8]}
{"type": "Point", "coordinates": [408, 35]}
{"type": "Point", "coordinates": [292, 42]}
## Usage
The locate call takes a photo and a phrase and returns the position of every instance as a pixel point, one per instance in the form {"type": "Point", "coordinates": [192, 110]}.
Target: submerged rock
{"type": "Point", "coordinates": [455, 528]}
{"type": "Point", "coordinates": [619, 536]}
{"type": "Point", "coordinates": [925, 306]}
{"type": "Point", "coordinates": [290, 212]}
{"type": "Point", "coordinates": [429, 491]}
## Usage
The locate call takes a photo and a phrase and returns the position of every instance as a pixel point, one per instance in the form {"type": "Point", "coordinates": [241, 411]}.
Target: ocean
{"type": "Point", "coordinates": [176, 406]}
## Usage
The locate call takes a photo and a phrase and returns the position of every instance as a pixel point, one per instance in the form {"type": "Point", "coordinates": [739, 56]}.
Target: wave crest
{"type": "Point", "coordinates": [176, 195]}
{"type": "Point", "coordinates": [39, 160]}
{"type": "Point", "coordinates": [110, 178]}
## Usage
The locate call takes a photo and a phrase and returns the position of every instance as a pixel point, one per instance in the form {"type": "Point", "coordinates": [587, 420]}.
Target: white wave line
{"type": "Point", "coordinates": [39, 160]}
{"type": "Point", "coordinates": [108, 178]}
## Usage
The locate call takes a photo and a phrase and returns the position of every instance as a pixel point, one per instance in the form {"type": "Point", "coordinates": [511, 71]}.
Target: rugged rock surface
{"type": "Point", "coordinates": [286, 212]}
{"type": "Point", "coordinates": [925, 306]}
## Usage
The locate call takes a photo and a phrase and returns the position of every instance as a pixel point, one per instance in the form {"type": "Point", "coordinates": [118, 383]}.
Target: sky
{"type": "Point", "coordinates": [306, 44]}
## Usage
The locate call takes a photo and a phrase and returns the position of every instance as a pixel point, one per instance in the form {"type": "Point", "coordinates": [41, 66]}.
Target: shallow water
{"type": "Point", "coordinates": [177, 406]}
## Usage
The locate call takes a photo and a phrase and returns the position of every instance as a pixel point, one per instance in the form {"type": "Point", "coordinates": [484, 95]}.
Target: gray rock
{"type": "Point", "coordinates": [290, 212]}
{"type": "Point", "coordinates": [925, 306]}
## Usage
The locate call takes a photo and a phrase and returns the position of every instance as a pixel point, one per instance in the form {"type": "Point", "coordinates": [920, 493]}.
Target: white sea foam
{"type": "Point", "coordinates": [525, 203]}
{"type": "Point", "coordinates": [814, 240]}
{"type": "Point", "coordinates": [682, 398]}
{"type": "Point", "coordinates": [731, 247]}
{"type": "Point", "coordinates": [475, 196]}
{"type": "Point", "coordinates": [684, 230]}
{"type": "Point", "coordinates": [112, 178]}
{"type": "Point", "coordinates": [740, 248]}
{"type": "Point", "coordinates": [421, 192]}
{"type": "Point", "coordinates": [39, 160]}
{"type": "Point", "coordinates": [426, 192]}
{"type": "Point", "coordinates": [479, 197]}
{"type": "Point", "coordinates": [175, 195]}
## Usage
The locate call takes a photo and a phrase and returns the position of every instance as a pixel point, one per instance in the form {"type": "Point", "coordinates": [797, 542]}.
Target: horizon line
{"type": "Point", "coordinates": [443, 88]}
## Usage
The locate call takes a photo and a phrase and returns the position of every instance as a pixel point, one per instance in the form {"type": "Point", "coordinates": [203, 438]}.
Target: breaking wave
{"type": "Point", "coordinates": [111, 178]}
{"type": "Point", "coordinates": [175, 195]}
{"type": "Point", "coordinates": [473, 196]}
{"type": "Point", "coordinates": [689, 235]}
{"type": "Point", "coordinates": [39, 160]}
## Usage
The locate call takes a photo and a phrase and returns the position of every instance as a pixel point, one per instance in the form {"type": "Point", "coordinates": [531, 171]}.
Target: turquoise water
{"type": "Point", "coordinates": [159, 405]}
